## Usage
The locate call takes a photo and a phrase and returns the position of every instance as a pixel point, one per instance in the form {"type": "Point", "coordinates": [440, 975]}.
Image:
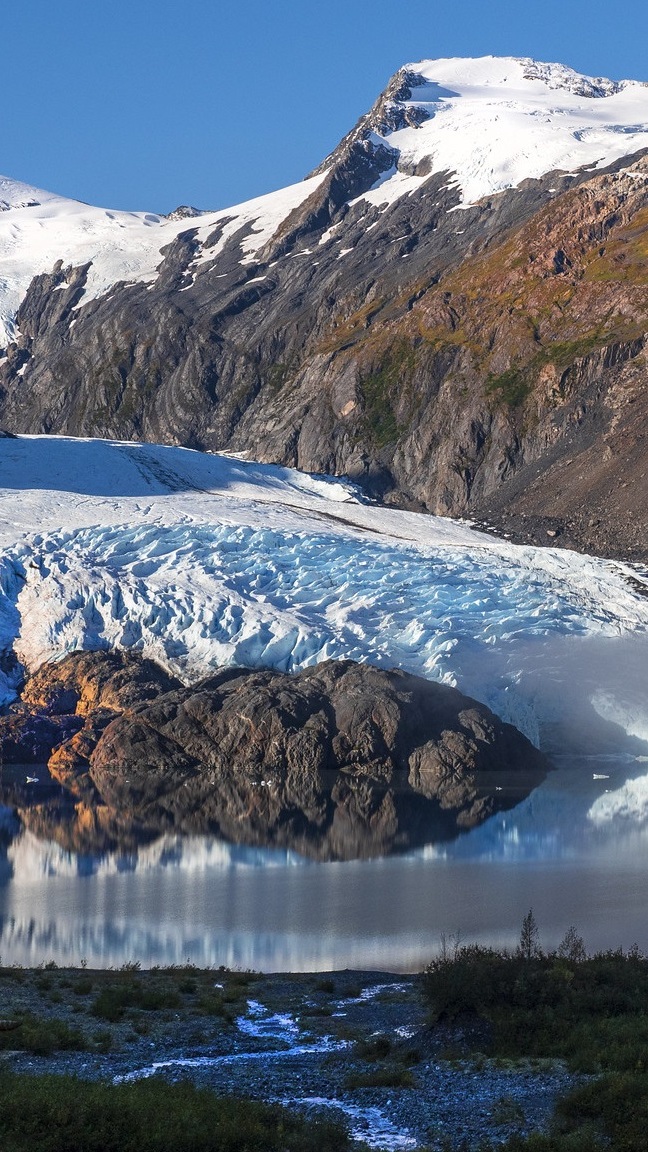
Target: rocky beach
{"type": "Point", "coordinates": [356, 1046]}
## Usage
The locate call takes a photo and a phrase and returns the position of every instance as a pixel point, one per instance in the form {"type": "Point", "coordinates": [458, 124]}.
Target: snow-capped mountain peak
{"type": "Point", "coordinates": [495, 121]}
{"type": "Point", "coordinates": [489, 122]}
{"type": "Point", "coordinates": [559, 76]}
{"type": "Point", "coordinates": [38, 229]}
{"type": "Point", "coordinates": [15, 194]}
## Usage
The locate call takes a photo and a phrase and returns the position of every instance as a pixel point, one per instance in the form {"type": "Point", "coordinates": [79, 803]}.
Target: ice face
{"type": "Point", "coordinates": [213, 561]}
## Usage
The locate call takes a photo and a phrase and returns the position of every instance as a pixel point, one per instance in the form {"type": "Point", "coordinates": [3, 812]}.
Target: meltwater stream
{"type": "Point", "coordinates": [370, 1125]}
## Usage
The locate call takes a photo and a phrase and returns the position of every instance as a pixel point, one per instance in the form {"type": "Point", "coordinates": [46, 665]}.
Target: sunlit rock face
{"type": "Point", "coordinates": [341, 760]}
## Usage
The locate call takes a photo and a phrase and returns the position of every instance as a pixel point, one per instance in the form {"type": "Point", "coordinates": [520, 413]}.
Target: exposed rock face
{"type": "Point", "coordinates": [488, 362]}
{"type": "Point", "coordinates": [86, 681]}
{"type": "Point", "coordinates": [338, 761]}
{"type": "Point", "coordinates": [28, 739]}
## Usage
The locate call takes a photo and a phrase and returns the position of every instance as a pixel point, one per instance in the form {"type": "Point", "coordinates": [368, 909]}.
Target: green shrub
{"type": "Point", "coordinates": [15, 972]}
{"type": "Point", "coordinates": [212, 1004]}
{"type": "Point", "coordinates": [512, 386]}
{"type": "Point", "coordinates": [546, 1005]}
{"type": "Point", "coordinates": [376, 1048]}
{"type": "Point", "coordinates": [42, 1036]}
{"type": "Point", "coordinates": [62, 1114]}
{"type": "Point", "coordinates": [188, 985]}
{"type": "Point", "coordinates": [591, 1011]}
{"type": "Point", "coordinates": [506, 1111]}
{"type": "Point", "coordinates": [103, 1039]}
{"type": "Point", "coordinates": [381, 389]}
{"type": "Point", "coordinates": [114, 999]}
{"type": "Point", "coordinates": [327, 986]}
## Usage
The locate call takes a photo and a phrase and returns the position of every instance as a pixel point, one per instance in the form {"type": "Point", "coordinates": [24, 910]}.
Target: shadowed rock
{"type": "Point", "coordinates": [338, 761]}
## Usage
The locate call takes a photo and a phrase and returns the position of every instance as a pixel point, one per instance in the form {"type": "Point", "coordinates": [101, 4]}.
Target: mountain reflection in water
{"type": "Point", "coordinates": [364, 818]}
{"type": "Point", "coordinates": [576, 850]}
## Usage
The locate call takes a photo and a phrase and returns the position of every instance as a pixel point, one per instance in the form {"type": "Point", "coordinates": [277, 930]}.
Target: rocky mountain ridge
{"type": "Point", "coordinates": [483, 359]}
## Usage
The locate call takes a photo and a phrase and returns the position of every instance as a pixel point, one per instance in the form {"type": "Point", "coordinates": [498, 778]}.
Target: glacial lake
{"type": "Point", "coordinates": [202, 561]}
{"type": "Point", "coordinates": [576, 851]}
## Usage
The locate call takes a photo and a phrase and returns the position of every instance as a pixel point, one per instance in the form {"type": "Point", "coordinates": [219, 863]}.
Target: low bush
{"type": "Point", "coordinates": [591, 1011]}
{"type": "Point", "coordinates": [212, 1004]}
{"type": "Point", "coordinates": [63, 1114]}
{"type": "Point", "coordinates": [115, 999]}
{"type": "Point", "coordinates": [188, 985]}
{"type": "Point", "coordinates": [325, 985]}
{"type": "Point", "coordinates": [41, 1036]}
{"type": "Point", "coordinates": [376, 1048]}
{"type": "Point", "coordinates": [507, 1112]}
{"type": "Point", "coordinates": [548, 1005]}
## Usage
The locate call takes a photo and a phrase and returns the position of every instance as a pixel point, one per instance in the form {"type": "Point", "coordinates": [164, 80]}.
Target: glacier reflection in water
{"type": "Point", "coordinates": [576, 851]}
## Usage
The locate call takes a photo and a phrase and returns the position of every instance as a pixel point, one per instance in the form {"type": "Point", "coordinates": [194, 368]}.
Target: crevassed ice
{"type": "Point", "coordinates": [199, 596]}
{"type": "Point", "coordinates": [200, 560]}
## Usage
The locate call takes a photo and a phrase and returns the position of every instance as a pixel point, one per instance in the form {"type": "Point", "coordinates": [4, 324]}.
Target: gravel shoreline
{"type": "Point", "coordinates": [307, 1041]}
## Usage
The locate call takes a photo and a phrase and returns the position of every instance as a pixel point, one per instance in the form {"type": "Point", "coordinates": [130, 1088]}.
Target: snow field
{"type": "Point", "coordinates": [38, 228]}
{"type": "Point", "coordinates": [495, 121]}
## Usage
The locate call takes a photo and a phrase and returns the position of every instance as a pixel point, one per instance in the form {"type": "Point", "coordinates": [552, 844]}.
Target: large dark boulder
{"type": "Point", "coordinates": [337, 761]}
{"type": "Point", "coordinates": [28, 738]}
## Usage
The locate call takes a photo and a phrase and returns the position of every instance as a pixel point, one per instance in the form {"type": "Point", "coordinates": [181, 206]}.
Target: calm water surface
{"type": "Point", "coordinates": [576, 851]}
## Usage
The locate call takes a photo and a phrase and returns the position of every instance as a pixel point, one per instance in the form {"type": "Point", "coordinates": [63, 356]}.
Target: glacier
{"type": "Point", "coordinates": [199, 560]}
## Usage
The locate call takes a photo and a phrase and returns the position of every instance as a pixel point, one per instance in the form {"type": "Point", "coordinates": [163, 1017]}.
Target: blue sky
{"type": "Point", "coordinates": [145, 105]}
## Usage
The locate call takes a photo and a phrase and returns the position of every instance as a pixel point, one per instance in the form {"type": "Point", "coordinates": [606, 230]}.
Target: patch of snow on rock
{"type": "Point", "coordinates": [39, 228]}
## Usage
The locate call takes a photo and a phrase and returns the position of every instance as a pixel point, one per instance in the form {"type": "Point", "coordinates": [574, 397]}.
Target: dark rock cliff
{"type": "Point", "coordinates": [447, 360]}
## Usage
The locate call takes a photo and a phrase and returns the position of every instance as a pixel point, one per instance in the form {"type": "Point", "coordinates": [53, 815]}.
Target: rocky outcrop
{"type": "Point", "coordinates": [338, 761]}
{"type": "Point", "coordinates": [28, 738]}
{"type": "Point", "coordinates": [85, 682]}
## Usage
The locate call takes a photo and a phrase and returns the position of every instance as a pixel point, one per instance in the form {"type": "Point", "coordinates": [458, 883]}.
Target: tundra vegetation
{"type": "Point", "coordinates": [524, 1009]}
{"type": "Point", "coordinates": [590, 1011]}
{"type": "Point", "coordinates": [54, 1113]}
